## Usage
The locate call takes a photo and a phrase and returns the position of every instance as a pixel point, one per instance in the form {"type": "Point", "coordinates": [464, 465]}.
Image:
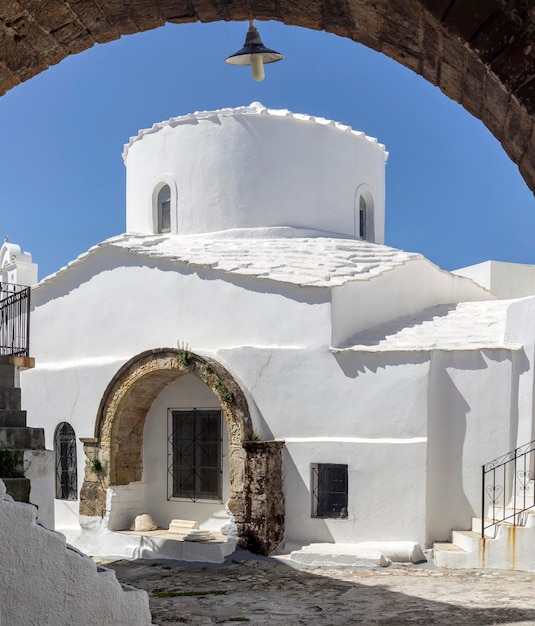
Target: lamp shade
{"type": "Point", "coordinates": [253, 45]}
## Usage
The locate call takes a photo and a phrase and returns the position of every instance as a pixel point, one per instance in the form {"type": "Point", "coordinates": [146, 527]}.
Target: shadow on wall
{"type": "Point", "coordinates": [447, 506]}
{"type": "Point", "coordinates": [110, 257]}
{"type": "Point", "coordinates": [355, 363]}
{"type": "Point", "coordinates": [462, 437]}
{"type": "Point", "coordinates": [299, 522]}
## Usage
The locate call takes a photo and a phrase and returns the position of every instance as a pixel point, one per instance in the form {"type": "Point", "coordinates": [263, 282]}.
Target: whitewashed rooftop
{"type": "Point", "coordinates": [283, 254]}
{"type": "Point", "coordinates": [463, 326]}
{"type": "Point", "coordinates": [255, 108]}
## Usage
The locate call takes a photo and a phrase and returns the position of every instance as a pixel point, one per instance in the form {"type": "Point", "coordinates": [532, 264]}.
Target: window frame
{"type": "Point", "coordinates": [326, 503]}
{"type": "Point", "coordinates": [66, 462]}
{"type": "Point", "coordinates": [364, 225]}
{"type": "Point", "coordinates": [177, 491]}
{"type": "Point", "coordinates": [363, 214]}
{"type": "Point", "coordinates": [160, 203]}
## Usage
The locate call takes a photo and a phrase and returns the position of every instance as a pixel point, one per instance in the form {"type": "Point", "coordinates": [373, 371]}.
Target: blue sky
{"type": "Point", "coordinates": [452, 192]}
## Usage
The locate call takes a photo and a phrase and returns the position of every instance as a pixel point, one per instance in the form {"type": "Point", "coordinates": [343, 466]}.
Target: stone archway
{"type": "Point", "coordinates": [480, 54]}
{"type": "Point", "coordinates": [114, 454]}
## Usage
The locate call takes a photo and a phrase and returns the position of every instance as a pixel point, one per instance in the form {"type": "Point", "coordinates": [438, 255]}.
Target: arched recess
{"type": "Point", "coordinates": [481, 55]}
{"type": "Point", "coordinates": [115, 454]}
{"type": "Point", "coordinates": [159, 183]}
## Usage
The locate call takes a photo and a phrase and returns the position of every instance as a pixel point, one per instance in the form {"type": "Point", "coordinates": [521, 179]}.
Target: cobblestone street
{"type": "Point", "coordinates": [271, 592]}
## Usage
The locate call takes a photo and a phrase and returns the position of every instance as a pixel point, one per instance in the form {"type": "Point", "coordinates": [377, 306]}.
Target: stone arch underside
{"type": "Point", "coordinates": [480, 54]}
{"type": "Point", "coordinates": [115, 454]}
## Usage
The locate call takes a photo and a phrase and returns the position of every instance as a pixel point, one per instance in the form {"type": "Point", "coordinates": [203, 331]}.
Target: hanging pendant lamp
{"type": "Point", "coordinates": [254, 53]}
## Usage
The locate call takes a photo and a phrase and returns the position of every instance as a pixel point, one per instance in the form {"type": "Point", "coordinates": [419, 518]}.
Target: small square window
{"type": "Point", "coordinates": [329, 490]}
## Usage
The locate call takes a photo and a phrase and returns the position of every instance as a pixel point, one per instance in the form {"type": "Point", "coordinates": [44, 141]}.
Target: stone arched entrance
{"type": "Point", "coordinates": [481, 55]}
{"type": "Point", "coordinates": [114, 455]}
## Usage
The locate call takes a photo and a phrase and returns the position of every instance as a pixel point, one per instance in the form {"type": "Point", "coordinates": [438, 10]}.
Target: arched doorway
{"type": "Point", "coordinates": [115, 454]}
{"type": "Point", "coordinates": [482, 57]}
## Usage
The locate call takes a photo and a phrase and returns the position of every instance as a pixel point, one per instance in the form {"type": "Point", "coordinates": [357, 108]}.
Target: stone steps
{"type": "Point", "coordinates": [22, 438]}
{"type": "Point", "coordinates": [14, 433]}
{"type": "Point", "coordinates": [363, 554]}
{"type": "Point", "coordinates": [16, 438]}
{"type": "Point", "coordinates": [10, 398]}
{"type": "Point", "coordinates": [505, 546]}
{"type": "Point", "coordinates": [12, 417]}
{"type": "Point", "coordinates": [18, 488]}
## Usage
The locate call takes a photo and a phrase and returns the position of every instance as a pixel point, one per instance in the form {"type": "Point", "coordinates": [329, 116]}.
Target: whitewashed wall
{"type": "Point", "coordinates": [360, 305]}
{"type": "Point", "coordinates": [187, 392]}
{"type": "Point", "coordinates": [520, 330]}
{"type": "Point", "coordinates": [370, 411]}
{"type": "Point", "coordinates": [472, 420]}
{"type": "Point", "coordinates": [505, 280]}
{"type": "Point", "coordinates": [366, 411]}
{"type": "Point", "coordinates": [242, 169]}
{"type": "Point", "coordinates": [104, 310]}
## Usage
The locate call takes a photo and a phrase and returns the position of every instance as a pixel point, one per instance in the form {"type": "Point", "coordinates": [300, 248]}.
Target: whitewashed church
{"type": "Point", "coordinates": [251, 359]}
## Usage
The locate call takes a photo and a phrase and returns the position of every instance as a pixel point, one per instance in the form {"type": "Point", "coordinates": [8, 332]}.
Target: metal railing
{"type": "Point", "coordinates": [14, 320]}
{"type": "Point", "coordinates": [506, 491]}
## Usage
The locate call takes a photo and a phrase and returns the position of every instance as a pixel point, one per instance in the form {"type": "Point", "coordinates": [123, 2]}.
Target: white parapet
{"type": "Point", "coordinates": [45, 581]}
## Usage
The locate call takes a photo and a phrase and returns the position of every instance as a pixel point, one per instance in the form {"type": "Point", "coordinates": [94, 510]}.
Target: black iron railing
{"type": "Point", "coordinates": [14, 320]}
{"type": "Point", "coordinates": [506, 489]}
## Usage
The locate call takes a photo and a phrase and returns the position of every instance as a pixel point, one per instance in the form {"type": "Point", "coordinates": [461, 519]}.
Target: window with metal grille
{"type": "Point", "coordinates": [195, 466]}
{"type": "Point", "coordinates": [164, 209]}
{"type": "Point", "coordinates": [66, 465]}
{"type": "Point", "coordinates": [329, 490]}
{"type": "Point", "coordinates": [363, 208]}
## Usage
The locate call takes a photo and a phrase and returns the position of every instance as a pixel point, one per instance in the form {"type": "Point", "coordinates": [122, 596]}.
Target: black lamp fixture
{"type": "Point", "coordinates": [254, 53]}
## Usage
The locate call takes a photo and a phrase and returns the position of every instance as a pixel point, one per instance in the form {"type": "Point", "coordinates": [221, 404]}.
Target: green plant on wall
{"type": "Point", "coordinates": [222, 391]}
{"type": "Point", "coordinates": [184, 356]}
{"type": "Point", "coordinates": [8, 464]}
{"type": "Point", "coordinates": [96, 465]}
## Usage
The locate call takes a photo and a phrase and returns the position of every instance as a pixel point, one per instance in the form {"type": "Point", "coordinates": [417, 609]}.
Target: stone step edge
{"type": "Point", "coordinates": [447, 546]}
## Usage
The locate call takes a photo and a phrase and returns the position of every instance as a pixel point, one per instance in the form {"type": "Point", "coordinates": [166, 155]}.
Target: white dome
{"type": "Point", "coordinates": [253, 167]}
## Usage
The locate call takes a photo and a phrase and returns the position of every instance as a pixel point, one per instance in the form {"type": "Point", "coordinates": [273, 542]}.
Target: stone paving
{"type": "Point", "coordinates": [270, 591]}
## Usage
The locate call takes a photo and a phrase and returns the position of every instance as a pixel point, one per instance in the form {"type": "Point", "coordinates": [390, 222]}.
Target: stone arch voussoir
{"type": "Point", "coordinates": [115, 454]}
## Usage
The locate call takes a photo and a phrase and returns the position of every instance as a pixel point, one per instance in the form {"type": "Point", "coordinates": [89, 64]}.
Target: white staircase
{"type": "Point", "coordinates": [506, 544]}
{"type": "Point", "coordinates": [45, 582]}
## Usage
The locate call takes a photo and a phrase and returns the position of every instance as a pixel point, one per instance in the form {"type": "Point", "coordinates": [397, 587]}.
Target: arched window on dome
{"type": "Point", "coordinates": [364, 227]}
{"type": "Point", "coordinates": [363, 208]}
{"type": "Point", "coordinates": [66, 463]}
{"type": "Point", "coordinates": [164, 209]}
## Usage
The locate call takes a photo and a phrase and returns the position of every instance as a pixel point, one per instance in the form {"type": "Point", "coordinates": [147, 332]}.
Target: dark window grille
{"type": "Point", "coordinates": [66, 464]}
{"type": "Point", "coordinates": [363, 207]}
{"type": "Point", "coordinates": [164, 209]}
{"type": "Point", "coordinates": [195, 467]}
{"type": "Point", "coordinates": [14, 320]}
{"type": "Point", "coordinates": [329, 490]}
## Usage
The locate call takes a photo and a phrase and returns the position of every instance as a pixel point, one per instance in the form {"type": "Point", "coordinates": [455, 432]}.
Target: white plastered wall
{"type": "Point", "coordinates": [236, 170]}
{"type": "Point", "coordinates": [366, 411]}
{"type": "Point", "coordinates": [274, 339]}
{"type": "Point", "coordinates": [504, 280]}
{"type": "Point", "coordinates": [472, 420]}
{"type": "Point", "coordinates": [81, 339]}
{"type": "Point", "coordinates": [185, 393]}
{"type": "Point", "coordinates": [69, 392]}
{"type": "Point", "coordinates": [404, 290]}
{"type": "Point", "coordinates": [520, 330]}
{"type": "Point", "coordinates": [103, 310]}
